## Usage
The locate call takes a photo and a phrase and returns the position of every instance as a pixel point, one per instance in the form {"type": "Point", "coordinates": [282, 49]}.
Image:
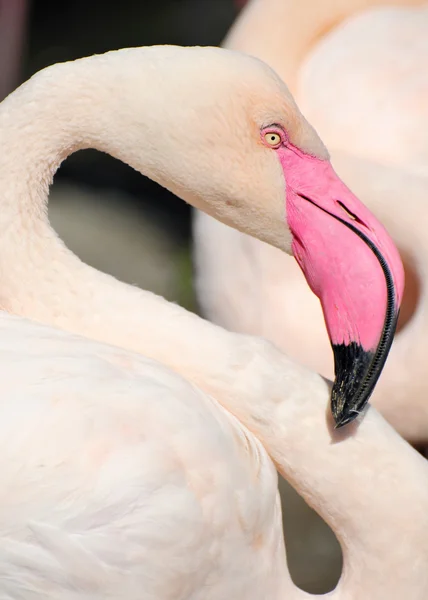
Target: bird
{"type": "Point", "coordinates": [369, 110]}
{"type": "Point", "coordinates": [141, 443]}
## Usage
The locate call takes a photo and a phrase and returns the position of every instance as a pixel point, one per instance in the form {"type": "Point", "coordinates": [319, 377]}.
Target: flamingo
{"type": "Point", "coordinates": [140, 441]}
{"type": "Point", "coordinates": [359, 72]}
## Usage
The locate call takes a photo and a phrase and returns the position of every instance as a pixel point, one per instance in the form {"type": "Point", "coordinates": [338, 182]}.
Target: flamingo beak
{"type": "Point", "coordinates": [352, 265]}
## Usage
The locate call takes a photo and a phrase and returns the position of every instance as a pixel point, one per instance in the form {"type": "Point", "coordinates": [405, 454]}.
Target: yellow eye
{"type": "Point", "coordinates": [272, 138]}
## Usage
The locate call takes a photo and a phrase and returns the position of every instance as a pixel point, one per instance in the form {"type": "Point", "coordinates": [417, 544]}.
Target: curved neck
{"type": "Point", "coordinates": [92, 103]}
{"type": "Point", "coordinates": [282, 32]}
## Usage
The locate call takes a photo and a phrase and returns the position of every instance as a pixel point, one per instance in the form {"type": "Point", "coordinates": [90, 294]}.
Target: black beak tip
{"type": "Point", "coordinates": [344, 418]}
{"type": "Point", "coordinates": [352, 388]}
{"type": "Point", "coordinates": [356, 373]}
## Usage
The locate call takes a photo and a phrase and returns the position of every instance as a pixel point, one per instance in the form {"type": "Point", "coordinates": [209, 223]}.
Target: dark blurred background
{"type": "Point", "coordinates": [123, 223]}
{"type": "Point", "coordinates": [145, 228]}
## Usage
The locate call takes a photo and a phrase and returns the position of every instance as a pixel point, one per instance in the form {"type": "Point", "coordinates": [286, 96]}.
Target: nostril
{"type": "Point", "coordinates": [351, 215]}
{"type": "Point", "coordinates": [345, 209]}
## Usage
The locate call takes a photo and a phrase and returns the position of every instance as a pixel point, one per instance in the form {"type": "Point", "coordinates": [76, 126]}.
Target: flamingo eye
{"type": "Point", "coordinates": [273, 139]}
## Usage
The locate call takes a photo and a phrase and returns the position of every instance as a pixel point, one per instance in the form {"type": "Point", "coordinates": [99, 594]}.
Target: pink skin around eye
{"type": "Point", "coordinates": [340, 268]}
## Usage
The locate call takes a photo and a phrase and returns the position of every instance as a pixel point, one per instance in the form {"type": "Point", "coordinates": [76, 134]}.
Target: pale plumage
{"type": "Point", "coordinates": [361, 77]}
{"type": "Point", "coordinates": [151, 475]}
{"type": "Point", "coordinates": [121, 479]}
{"type": "Point", "coordinates": [367, 81]}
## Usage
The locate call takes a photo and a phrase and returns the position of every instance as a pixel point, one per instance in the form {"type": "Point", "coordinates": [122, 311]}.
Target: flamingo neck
{"type": "Point", "coordinates": [93, 103]}
{"type": "Point", "coordinates": [282, 32]}
{"type": "Point", "coordinates": [65, 108]}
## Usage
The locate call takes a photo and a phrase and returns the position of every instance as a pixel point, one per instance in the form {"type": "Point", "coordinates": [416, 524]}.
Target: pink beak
{"type": "Point", "coordinates": [352, 265]}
